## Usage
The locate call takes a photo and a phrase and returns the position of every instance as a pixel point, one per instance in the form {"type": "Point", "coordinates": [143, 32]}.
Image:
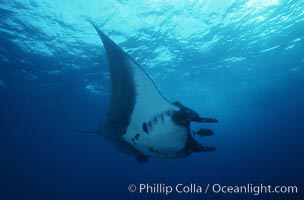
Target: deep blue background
{"type": "Point", "coordinates": [259, 136]}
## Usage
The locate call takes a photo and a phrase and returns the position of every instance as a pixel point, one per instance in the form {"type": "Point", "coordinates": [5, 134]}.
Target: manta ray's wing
{"type": "Point", "coordinates": [134, 97]}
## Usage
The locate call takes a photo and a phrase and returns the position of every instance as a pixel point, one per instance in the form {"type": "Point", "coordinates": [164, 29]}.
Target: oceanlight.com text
{"type": "Point", "coordinates": [195, 188]}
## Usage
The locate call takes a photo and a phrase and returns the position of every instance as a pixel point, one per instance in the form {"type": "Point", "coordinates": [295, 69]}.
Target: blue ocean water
{"type": "Point", "coordinates": [241, 62]}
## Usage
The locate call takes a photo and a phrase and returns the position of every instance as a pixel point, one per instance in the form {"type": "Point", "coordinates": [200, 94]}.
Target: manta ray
{"type": "Point", "coordinates": [139, 120]}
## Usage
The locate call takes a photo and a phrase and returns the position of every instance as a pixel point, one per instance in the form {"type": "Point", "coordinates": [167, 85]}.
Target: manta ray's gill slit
{"type": "Point", "coordinates": [154, 119]}
{"type": "Point", "coordinates": [145, 128]}
{"type": "Point", "coordinates": [160, 119]}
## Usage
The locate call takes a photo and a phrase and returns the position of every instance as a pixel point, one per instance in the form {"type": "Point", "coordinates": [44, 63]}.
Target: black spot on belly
{"type": "Point", "coordinates": [151, 149]}
{"type": "Point", "coordinates": [145, 128]}
{"type": "Point", "coordinates": [136, 136]}
{"type": "Point", "coordinates": [133, 141]}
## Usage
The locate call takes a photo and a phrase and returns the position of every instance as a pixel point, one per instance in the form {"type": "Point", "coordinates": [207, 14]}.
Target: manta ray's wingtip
{"type": "Point", "coordinates": [104, 38]}
{"type": "Point", "coordinates": [100, 33]}
{"type": "Point", "coordinates": [89, 20]}
{"type": "Point", "coordinates": [93, 24]}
